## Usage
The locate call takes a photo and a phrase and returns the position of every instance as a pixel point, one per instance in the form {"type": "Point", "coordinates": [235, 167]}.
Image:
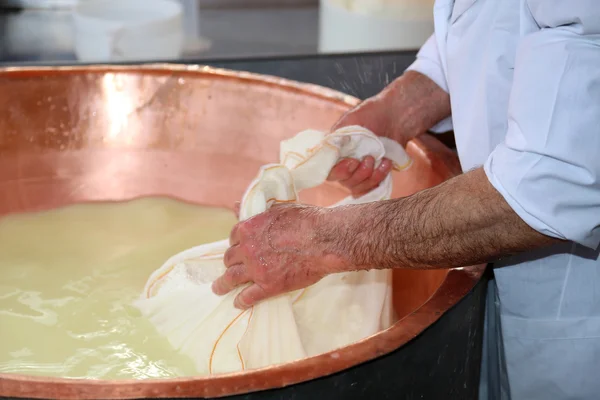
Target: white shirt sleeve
{"type": "Point", "coordinates": [428, 63]}
{"type": "Point", "coordinates": [548, 168]}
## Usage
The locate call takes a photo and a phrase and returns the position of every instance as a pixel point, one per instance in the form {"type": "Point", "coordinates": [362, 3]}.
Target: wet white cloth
{"type": "Point", "coordinates": [524, 83]}
{"type": "Point", "coordinates": [338, 310]}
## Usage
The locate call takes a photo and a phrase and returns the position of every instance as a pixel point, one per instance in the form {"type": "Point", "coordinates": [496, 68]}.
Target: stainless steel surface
{"type": "Point", "coordinates": [46, 36]}
{"type": "Point", "coordinates": [203, 3]}
{"type": "Point", "coordinates": [256, 3]}
{"type": "Point", "coordinates": [37, 3]}
{"type": "Point", "coordinates": [223, 29]}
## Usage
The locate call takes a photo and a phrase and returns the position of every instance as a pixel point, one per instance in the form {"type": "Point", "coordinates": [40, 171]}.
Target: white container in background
{"type": "Point", "coordinates": [128, 30]}
{"type": "Point", "coordinates": [194, 43]}
{"type": "Point", "coordinates": [38, 33]}
{"type": "Point", "coordinates": [364, 27]}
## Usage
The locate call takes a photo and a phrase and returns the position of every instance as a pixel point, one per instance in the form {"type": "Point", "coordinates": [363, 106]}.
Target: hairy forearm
{"type": "Point", "coordinates": [417, 103]}
{"type": "Point", "coordinates": [461, 222]}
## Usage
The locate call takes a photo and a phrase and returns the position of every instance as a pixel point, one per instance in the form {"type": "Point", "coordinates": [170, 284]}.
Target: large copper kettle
{"type": "Point", "coordinates": [104, 133]}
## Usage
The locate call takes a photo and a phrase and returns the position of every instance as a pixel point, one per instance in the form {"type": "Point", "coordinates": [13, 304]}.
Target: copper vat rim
{"type": "Point", "coordinates": [457, 283]}
{"type": "Point", "coordinates": [197, 69]}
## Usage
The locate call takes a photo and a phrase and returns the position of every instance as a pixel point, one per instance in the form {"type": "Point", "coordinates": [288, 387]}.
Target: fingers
{"type": "Point", "coordinates": [249, 297]}
{"type": "Point", "coordinates": [362, 173]}
{"type": "Point", "coordinates": [236, 209]}
{"type": "Point", "coordinates": [374, 180]}
{"type": "Point", "coordinates": [343, 170]}
{"type": "Point", "coordinates": [233, 256]}
{"type": "Point", "coordinates": [360, 177]}
{"type": "Point", "coordinates": [236, 273]}
{"type": "Point", "coordinates": [233, 277]}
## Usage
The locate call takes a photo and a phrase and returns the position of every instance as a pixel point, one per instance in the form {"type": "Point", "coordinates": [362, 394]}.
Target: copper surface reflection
{"type": "Point", "coordinates": [118, 106]}
{"type": "Point", "coordinates": [111, 133]}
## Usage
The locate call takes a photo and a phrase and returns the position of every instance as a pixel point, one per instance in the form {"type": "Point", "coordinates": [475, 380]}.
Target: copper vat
{"type": "Point", "coordinates": [106, 133]}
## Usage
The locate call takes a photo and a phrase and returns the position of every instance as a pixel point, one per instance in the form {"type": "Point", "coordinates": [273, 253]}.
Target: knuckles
{"type": "Point", "coordinates": [262, 266]}
{"type": "Point", "coordinates": [247, 250]}
{"type": "Point", "coordinates": [229, 256]}
{"type": "Point", "coordinates": [233, 274]}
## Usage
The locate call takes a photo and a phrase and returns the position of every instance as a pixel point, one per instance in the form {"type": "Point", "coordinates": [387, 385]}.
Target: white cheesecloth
{"type": "Point", "coordinates": [338, 310]}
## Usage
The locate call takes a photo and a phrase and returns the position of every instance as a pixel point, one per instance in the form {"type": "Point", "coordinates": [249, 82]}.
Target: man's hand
{"type": "Point", "coordinates": [286, 248]}
{"type": "Point", "coordinates": [463, 221]}
{"type": "Point", "coordinates": [408, 107]}
{"type": "Point", "coordinates": [361, 176]}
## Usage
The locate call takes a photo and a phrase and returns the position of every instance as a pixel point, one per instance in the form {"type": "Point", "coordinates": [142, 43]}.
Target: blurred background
{"type": "Point", "coordinates": [92, 31]}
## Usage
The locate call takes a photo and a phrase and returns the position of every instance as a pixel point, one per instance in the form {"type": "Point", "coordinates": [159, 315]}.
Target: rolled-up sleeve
{"type": "Point", "coordinates": [548, 168]}
{"type": "Point", "coordinates": [428, 63]}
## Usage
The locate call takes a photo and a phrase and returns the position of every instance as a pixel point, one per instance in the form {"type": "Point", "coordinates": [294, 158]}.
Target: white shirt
{"type": "Point", "coordinates": [524, 80]}
{"type": "Point", "coordinates": [524, 83]}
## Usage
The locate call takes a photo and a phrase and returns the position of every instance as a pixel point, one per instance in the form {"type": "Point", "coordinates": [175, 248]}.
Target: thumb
{"type": "Point", "coordinates": [342, 122]}
{"type": "Point", "coordinates": [249, 297]}
{"type": "Point", "coordinates": [350, 117]}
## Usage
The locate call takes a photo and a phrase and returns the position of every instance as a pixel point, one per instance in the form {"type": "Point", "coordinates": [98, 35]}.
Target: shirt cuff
{"type": "Point", "coordinates": [443, 126]}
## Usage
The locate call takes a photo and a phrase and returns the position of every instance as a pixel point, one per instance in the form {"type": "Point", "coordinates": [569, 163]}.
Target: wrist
{"type": "Point", "coordinates": [348, 234]}
{"type": "Point", "coordinates": [415, 105]}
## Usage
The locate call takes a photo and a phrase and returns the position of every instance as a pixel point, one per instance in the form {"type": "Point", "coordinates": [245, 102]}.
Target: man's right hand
{"type": "Point", "coordinates": [407, 107]}
{"type": "Point", "coordinates": [361, 176]}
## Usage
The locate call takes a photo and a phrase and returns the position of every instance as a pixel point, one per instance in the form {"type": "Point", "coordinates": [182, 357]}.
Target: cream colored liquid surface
{"type": "Point", "coordinates": [68, 277]}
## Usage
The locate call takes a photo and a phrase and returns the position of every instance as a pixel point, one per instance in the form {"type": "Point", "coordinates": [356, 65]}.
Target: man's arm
{"type": "Point", "coordinates": [541, 185]}
{"type": "Point", "coordinates": [464, 221]}
{"type": "Point", "coordinates": [412, 104]}
{"type": "Point", "coordinates": [408, 107]}
{"type": "Point", "coordinates": [416, 104]}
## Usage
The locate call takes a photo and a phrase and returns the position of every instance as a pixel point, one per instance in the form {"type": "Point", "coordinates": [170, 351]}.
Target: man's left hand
{"type": "Point", "coordinates": [286, 248]}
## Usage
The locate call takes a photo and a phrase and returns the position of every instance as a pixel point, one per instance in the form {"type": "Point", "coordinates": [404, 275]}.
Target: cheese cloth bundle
{"type": "Point", "coordinates": [338, 310]}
